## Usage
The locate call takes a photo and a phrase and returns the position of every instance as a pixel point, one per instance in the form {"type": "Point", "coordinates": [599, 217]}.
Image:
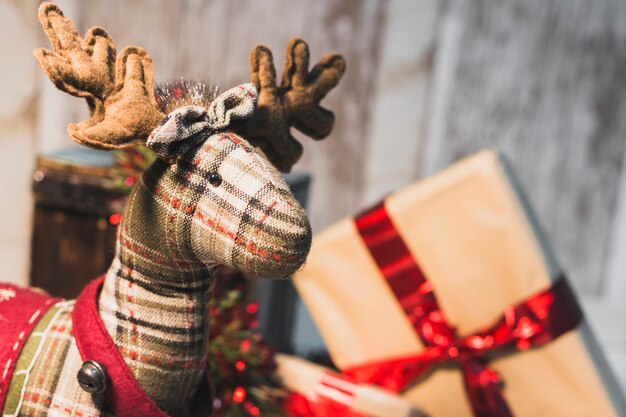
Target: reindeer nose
{"type": "Point", "coordinates": [297, 243]}
{"type": "Point", "coordinates": [289, 238]}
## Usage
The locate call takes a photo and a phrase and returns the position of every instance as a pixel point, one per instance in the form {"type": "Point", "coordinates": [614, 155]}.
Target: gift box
{"type": "Point", "coordinates": [327, 393]}
{"type": "Point", "coordinates": [448, 293]}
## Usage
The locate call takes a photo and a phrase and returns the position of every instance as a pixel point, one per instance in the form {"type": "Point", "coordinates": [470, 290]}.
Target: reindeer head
{"type": "Point", "coordinates": [210, 199]}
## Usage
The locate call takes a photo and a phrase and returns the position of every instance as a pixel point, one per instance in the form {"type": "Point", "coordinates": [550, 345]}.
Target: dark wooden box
{"type": "Point", "coordinates": [74, 219]}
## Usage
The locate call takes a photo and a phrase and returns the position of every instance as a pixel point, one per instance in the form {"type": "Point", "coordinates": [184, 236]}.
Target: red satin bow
{"type": "Point", "coordinates": [534, 322]}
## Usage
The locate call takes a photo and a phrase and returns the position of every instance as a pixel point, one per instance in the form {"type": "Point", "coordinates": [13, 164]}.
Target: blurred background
{"type": "Point", "coordinates": [428, 82]}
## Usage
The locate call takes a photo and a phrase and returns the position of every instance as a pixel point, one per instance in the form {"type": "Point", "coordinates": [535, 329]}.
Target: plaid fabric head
{"type": "Point", "coordinates": [188, 127]}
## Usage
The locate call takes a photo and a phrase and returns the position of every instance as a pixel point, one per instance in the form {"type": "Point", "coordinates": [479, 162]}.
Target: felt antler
{"type": "Point", "coordinates": [294, 103]}
{"type": "Point", "coordinates": [120, 94]}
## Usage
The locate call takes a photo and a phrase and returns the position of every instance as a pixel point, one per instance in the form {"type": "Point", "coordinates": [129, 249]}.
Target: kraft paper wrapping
{"type": "Point", "coordinates": [303, 377]}
{"type": "Point", "coordinates": [470, 231]}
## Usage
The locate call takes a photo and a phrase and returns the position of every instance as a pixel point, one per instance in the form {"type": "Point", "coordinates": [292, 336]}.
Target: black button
{"type": "Point", "coordinates": [92, 377]}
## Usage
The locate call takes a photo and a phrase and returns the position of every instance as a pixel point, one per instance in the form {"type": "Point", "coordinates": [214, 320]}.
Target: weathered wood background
{"type": "Point", "coordinates": [428, 82]}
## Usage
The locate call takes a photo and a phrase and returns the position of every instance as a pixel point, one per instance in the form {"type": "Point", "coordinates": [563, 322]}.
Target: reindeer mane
{"type": "Point", "coordinates": [174, 94]}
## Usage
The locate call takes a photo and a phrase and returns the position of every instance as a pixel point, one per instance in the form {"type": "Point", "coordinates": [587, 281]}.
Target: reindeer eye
{"type": "Point", "coordinates": [215, 179]}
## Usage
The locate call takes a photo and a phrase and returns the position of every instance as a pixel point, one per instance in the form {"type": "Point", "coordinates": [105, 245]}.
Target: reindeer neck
{"type": "Point", "coordinates": [155, 297]}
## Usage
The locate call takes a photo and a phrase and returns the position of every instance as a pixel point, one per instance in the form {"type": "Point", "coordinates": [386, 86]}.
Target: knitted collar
{"type": "Point", "coordinates": [123, 393]}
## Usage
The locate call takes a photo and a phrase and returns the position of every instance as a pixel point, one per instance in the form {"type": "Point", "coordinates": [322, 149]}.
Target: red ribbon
{"type": "Point", "coordinates": [333, 395]}
{"type": "Point", "coordinates": [538, 320]}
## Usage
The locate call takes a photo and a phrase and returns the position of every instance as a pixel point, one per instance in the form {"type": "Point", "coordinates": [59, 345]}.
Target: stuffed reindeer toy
{"type": "Point", "coordinates": [134, 343]}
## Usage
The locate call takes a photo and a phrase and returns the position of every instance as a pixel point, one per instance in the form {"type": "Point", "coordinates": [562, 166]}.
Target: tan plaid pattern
{"type": "Point", "coordinates": [176, 227]}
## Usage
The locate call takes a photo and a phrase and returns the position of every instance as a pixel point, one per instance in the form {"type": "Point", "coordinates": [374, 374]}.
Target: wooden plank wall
{"type": "Point", "coordinates": [428, 82]}
{"type": "Point", "coordinates": [542, 80]}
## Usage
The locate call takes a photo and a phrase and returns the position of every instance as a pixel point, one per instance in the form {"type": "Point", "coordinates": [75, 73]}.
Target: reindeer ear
{"type": "Point", "coordinates": [182, 130]}
{"type": "Point", "coordinates": [188, 127]}
{"type": "Point", "coordinates": [236, 104]}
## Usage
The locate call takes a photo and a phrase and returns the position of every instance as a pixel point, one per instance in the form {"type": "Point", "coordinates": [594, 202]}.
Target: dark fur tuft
{"type": "Point", "coordinates": [171, 95]}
